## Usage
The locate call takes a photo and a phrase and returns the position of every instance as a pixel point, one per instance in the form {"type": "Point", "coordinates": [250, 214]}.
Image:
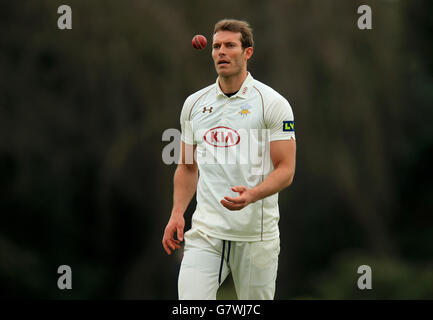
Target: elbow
{"type": "Point", "coordinates": [286, 173]}
{"type": "Point", "coordinates": [188, 167]}
{"type": "Point", "coordinates": [289, 180]}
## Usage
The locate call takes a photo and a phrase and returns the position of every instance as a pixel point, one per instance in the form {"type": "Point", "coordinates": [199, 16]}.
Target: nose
{"type": "Point", "coordinates": [221, 51]}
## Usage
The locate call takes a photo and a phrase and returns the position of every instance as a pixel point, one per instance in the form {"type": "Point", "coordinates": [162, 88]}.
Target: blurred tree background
{"type": "Point", "coordinates": [82, 113]}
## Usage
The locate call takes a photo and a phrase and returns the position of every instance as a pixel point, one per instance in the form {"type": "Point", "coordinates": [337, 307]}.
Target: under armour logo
{"type": "Point", "coordinates": [210, 109]}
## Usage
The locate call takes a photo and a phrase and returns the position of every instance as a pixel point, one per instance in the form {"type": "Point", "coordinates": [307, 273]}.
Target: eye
{"type": "Point", "coordinates": [216, 46]}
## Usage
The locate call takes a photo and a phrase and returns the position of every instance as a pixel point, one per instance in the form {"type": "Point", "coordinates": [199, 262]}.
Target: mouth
{"type": "Point", "coordinates": [223, 62]}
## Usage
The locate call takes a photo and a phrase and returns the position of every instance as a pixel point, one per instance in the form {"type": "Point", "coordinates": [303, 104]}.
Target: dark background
{"type": "Point", "coordinates": [82, 112]}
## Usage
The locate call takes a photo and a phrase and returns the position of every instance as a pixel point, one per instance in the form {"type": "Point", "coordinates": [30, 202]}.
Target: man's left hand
{"type": "Point", "coordinates": [246, 196]}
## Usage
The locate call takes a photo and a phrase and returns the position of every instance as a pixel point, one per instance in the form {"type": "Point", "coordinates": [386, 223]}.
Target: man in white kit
{"type": "Point", "coordinates": [235, 224]}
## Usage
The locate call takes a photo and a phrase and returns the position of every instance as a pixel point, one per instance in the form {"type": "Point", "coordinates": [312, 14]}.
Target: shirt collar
{"type": "Point", "coordinates": [243, 91]}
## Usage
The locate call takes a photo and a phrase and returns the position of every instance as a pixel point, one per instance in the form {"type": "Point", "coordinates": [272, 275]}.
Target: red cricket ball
{"type": "Point", "coordinates": [199, 42]}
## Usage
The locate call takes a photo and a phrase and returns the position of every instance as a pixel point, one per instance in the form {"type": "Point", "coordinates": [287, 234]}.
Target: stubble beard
{"type": "Point", "coordinates": [237, 71]}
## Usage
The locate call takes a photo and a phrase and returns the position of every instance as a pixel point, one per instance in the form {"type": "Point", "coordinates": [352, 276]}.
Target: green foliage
{"type": "Point", "coordinates": [82, 114]}
{"type": "Point", "coordinates": [392, 278]}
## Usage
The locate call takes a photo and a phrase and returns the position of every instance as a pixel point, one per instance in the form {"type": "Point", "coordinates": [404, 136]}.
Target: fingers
{"type": "Point", "coordinates": [174, 244]}
{"type": "Point", "coordinates": [168, 241]}
{"type": "Point", "coordinates": [180, 233]}
{"type": "Point", "coordinates": [165, 245]}
{"type": "Point", "coordinates": [170, 244]}
{"type": "Point", "coordinates": [239, 189]}
{"type": "Point", "coordinates": [232, 206]}
{"type": "Point", "coordinates": [237, 200]}
{"type": "Point", "coordinates": [165, 242]}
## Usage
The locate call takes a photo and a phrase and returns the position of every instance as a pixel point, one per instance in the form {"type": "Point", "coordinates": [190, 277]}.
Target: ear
{"type": "Point", "coordinates": [248, 52]}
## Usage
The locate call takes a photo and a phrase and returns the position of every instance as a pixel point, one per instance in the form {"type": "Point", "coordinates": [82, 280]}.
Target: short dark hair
{"type": "Point", "coordinates": [237, 26]}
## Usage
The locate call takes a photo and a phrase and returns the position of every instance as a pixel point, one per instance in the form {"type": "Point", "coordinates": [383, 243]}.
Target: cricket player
{"type": "Point", "coordinates": [231, 127]}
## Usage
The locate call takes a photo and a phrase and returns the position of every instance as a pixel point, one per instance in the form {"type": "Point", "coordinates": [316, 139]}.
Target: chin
{"type": "Point", "coordinates": [225, 73]}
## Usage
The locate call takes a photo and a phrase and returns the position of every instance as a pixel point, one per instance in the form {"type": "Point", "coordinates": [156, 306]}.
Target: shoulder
{"type": "Point", "coordinates": [269, 95]}
{"type": "Point", "coordinates": [193, 98]}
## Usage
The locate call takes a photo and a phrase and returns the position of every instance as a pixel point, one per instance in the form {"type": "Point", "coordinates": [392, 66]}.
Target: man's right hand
{"type": "Point", "coordinates": [175, 224]}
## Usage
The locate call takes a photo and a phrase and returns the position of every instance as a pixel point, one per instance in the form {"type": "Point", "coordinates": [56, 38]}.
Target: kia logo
{"type": "Point", "coordinates": [222, 137]}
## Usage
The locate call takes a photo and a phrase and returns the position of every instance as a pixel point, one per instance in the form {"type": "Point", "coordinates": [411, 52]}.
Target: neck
{"type": "Point", "coordinates": [232, 83]}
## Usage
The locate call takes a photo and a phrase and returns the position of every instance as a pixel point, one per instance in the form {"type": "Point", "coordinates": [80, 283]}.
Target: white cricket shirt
{"type": "Point", "coordinates": [232, 137]}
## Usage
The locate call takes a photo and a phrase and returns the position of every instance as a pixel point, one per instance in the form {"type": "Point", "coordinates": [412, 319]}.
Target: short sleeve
{"type": "Point", "coordinates": [280, 120]}
{"type": "Point", "coordinates": [187, 134]}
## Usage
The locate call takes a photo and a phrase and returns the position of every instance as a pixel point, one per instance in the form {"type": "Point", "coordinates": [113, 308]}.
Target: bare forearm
{"type": "Point", "coordinates": [283, 158]}
{"type": "Point", "coordinates": [277, 180]}
{"type": "Point", "coordinates": [185, 185]}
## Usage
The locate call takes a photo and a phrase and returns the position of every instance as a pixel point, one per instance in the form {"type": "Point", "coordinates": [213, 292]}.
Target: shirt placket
{"type": "Point", "coordinates": [227, 104]}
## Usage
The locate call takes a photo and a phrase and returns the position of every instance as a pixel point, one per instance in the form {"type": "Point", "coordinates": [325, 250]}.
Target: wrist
{"type": "Point", "coordinates": [255, 195]}
{"type": "Point", "coordinates": [177, 213]}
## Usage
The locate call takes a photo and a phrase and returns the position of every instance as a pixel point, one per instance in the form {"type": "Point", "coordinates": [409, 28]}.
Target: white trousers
{"type": "Point", "coordinates": [204, 267]}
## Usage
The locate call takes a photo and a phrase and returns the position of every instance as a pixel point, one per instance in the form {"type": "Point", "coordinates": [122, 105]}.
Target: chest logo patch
{"type": "Point", "coordinates": [207, 110]}
{"type": "Point", "coordinates": [222, 137]}
{"type": "Point", "coordinates": [245, 110]}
